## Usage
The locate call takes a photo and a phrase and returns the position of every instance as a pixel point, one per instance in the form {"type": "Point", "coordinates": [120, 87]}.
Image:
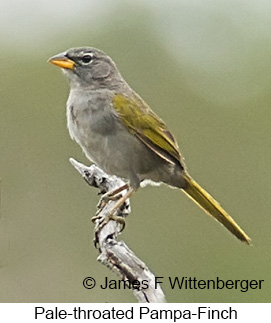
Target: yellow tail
{"type": "Point", "coordinates": [212, 207]}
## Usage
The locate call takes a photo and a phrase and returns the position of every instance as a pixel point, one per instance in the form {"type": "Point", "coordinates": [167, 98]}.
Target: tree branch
{"type": "Point", "coordinates": [115, 254]}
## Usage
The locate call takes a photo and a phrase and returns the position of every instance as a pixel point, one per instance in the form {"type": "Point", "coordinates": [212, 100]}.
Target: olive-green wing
{"type": "Point", "coordinates": [147, 126]}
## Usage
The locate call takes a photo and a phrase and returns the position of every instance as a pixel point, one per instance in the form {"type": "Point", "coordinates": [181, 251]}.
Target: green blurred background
{"type": "Point", "coordinates": [204, 67]}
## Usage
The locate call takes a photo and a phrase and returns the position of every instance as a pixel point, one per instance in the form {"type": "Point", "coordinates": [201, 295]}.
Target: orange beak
{"type": "Point", "coordinates": [62, 61]}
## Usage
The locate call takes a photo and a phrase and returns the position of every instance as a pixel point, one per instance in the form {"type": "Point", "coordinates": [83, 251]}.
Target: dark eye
{"type": "Point", "coordinates": [87, 58]}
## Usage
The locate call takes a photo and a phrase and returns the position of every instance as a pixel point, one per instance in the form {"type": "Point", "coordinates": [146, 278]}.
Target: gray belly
{"type": "Point", "coordinates": [108, 143]}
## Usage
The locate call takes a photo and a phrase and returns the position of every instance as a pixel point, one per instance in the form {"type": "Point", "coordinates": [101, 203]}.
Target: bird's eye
{"type": "Point", "coordinates": [87, 58]}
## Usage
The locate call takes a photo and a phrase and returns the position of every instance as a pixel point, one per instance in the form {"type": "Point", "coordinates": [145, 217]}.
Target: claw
{"type": "Point", "coordinates": [101, 220]}
{"type": "Point", "coordinates": [118, 219]}
{"type": "Point", "coordinates": [96, 217]}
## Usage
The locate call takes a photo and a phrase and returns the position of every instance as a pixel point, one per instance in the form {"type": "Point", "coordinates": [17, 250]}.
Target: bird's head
{"type": "Point", "coordinates": [88, 67]}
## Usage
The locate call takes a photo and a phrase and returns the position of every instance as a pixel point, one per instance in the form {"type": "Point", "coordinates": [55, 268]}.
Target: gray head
{"type": "Point", "coordinates": [88, 67]}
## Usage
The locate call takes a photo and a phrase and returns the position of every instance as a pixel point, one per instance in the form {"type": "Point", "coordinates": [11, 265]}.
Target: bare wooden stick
{"type": "Point", "coordinates": [115, 254]}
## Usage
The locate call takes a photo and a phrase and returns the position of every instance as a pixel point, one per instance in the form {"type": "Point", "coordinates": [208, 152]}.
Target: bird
{"type": "Point", "coordinates": [118, 131]}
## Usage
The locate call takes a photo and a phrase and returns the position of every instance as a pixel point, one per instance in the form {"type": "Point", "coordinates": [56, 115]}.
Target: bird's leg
{"type": "Point", "coordinates": [112, 195]}
{"type": "Point", "coordinates": [112, 215]}
{"type": "Point", "coordinates": [118, 204]}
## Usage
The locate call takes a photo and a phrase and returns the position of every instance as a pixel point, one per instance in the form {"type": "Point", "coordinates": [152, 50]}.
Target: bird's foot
{"type": "Point", "coordinates": [103, 220]}
{"type": "Point", "coordinates": [111, 196]}
{"type": "Point", "coordinates": [119, 206]}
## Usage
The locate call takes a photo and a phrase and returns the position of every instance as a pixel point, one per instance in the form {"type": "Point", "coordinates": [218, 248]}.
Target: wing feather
{"type": "Point", "coordinates": [147, 126]}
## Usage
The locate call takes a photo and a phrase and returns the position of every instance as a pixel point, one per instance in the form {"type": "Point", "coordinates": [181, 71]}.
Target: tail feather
{"type": "Point", "coordinates": [212, 208]}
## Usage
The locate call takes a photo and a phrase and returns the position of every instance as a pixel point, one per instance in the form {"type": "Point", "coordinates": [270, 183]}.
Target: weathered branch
{"type": "Point", "coordinates": [115, 254]}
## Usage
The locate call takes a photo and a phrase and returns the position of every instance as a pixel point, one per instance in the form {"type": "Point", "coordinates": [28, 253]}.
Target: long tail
{"type": "Point", "coordinates": [212, 208]}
